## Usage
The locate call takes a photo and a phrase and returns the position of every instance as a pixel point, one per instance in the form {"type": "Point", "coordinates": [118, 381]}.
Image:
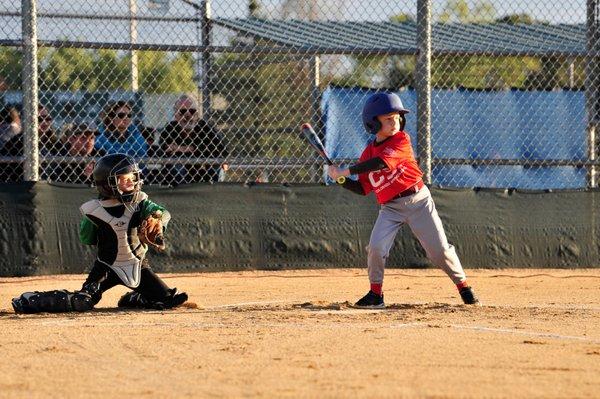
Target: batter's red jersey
{"type": "Point", "coordinates": [402, 171]}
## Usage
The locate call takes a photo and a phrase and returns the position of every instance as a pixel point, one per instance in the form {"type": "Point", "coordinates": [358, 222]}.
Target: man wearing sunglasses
{"type": "Point", "coordinates": [189, 136]}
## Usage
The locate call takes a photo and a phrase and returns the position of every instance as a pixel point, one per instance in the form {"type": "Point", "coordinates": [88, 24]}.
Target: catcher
{"type": "Point", "coordinates": [122, 223]}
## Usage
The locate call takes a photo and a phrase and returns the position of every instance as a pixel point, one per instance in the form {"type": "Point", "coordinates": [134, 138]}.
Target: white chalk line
{"type": "Point", "coordinates": [403, 306]}
{"type": "Point", "coordinates": [287, 324]}
{"type": "Point", "coordinates": [543, 306]}
{"type": "Point", "coordinates": [74, 323]}
{"type": "Point", "coordinates": [254, 303]}
{"type": "Point", "coordinates": [316, 310]}
{"type": "Point", "coordinates": [98, 321]}
{"type": "Point", "coordinates": [527, 333]}
{"type": "Point", "coordinates": [392, 309]}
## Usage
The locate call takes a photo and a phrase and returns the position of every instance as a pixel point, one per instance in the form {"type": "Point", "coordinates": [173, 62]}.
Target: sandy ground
{"type": "Point", "coordinates": [293, 334]}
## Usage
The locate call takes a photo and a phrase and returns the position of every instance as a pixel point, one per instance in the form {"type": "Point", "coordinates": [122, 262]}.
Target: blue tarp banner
{"type": "Point", "coordinates": [468, 124]}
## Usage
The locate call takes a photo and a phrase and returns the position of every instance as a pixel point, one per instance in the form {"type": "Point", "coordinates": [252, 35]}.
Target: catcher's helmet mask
{"type": "Point", "coordinates": [106, 177]}
{"type": "Point", "coordinates": [382, 104]}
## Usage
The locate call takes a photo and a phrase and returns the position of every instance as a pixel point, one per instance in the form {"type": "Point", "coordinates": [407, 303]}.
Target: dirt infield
{"type": "Point", "coordinates": [293, 334]}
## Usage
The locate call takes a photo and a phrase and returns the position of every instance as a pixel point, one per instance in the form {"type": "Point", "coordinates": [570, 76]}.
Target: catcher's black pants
{"type": "Point", "coordinates": [103, 278]}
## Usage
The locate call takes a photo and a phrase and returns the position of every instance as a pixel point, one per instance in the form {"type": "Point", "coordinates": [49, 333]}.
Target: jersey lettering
{"type": "Point", "coordinates": [380, 178]}
{"type": "Point", "coordinates": [402, 172]}
{"type": "Point", "coordinates": [376, 178]}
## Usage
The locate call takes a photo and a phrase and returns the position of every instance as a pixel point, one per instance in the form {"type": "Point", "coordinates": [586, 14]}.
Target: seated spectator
{"type": "Point", "coordinates": [117, 133]}
{"type": "Point", "coordinates": [48, 144]}
{"type": "Point", "coordinates": [149, 133]}
{"type": "Point", "coordinates": [79, 143]}
{"type": "Point", "coordinates": [189, 136]}
{"type": "Point", "coordinates": [10, 126]}
{"type": "Point", "coordinates": [47, 139]}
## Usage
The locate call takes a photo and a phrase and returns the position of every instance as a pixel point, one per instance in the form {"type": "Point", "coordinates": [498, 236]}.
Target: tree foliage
{"type": "Point", "coordinates": [484, 72]}
{"type": "Point", "coordinates": [72, 69]}
{"type": "Point", "coordinates": [461, 11]}
{"type": "Point", "coordinates": [11, 65]}
{"type": "Point", "coordinates": [264, 93]}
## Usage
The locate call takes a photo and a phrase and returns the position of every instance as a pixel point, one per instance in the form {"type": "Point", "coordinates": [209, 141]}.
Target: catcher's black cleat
{"type": "Point", "coordinates": [18, 306]}
{"type": "Point", "coordinates": [177, 298]}
{"type": "Point", "coordinates": [468, 296]}
{"type": "Point", "coordinates": [135, 300]}
{"type": "Point", "coordinates": [370, 301]}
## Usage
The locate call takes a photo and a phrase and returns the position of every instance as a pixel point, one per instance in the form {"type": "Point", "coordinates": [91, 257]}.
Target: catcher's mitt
{"type": "Point", "coordinates": [150, 231]}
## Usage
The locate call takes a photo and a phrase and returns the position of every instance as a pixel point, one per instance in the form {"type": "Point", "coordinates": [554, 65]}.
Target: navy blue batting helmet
{"type": "Point", "coordinates": [380, 104]}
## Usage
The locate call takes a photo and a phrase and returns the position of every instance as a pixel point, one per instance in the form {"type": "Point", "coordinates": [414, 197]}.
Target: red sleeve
{"type": "Point", "coordinates": [397, 151]}
{"type": "Point", "coordinates": [363, 178]}
{"type": "Point", "coordinates": [366, 184]}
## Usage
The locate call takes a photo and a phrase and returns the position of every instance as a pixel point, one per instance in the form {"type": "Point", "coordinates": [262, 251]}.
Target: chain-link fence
{"type": "Point", "coordinates": [502, 94]}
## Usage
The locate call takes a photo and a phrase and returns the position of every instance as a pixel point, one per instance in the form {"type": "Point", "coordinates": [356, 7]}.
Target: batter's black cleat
{"type": "Point", "coordinates": [370, 301]}
{"type": "Point", "coordinates": [468, 296]}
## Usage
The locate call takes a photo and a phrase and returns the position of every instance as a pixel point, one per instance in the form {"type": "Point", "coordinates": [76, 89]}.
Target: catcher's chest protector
{"type": "Point", "coordinates": [127, 263]}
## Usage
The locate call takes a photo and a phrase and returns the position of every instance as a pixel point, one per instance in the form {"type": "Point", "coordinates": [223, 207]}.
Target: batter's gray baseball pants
{"type": "Point", "coordinates": [418, 211]}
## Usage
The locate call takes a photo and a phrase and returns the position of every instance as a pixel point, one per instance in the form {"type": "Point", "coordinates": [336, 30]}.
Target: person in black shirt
{"type": "Point", "coordinates": [190, 136]}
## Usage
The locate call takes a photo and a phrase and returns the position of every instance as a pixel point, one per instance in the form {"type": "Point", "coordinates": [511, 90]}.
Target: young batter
{"type": "Point", "coordinates": [388, 167]}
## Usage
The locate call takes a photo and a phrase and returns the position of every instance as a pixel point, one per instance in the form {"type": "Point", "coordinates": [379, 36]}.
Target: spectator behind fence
{"type": "Point", "coordinates": [79, 140]}
{"type": "Point", "coordinates": [117, 133]}
{"type": "Point", "coordinates": [10, 126]}
{"type": "Point", "coordinates": [48, 142]}
{"type": "Point", "coordinates": [190, 136]}
{"type": "Point", "coordinates": [48, 145]}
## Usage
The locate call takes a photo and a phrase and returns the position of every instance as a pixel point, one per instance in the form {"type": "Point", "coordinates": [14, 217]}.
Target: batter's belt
{"type": "Point", "coordinates": [410, 191]}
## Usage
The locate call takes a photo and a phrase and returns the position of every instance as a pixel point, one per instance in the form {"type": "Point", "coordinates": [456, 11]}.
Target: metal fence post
{"type": "Point", "coordinates": [206, 66]}
{"type": "Point", "coordinates": [133, 35]}
{"type": "Point", "coordinates": [315, 73]}
{"type": "Point", "coordinates": [423, 83]}
{"type": "Point", "coordinates": [591, 82]}
{"type": "Point", "coordinates": [30, 90]}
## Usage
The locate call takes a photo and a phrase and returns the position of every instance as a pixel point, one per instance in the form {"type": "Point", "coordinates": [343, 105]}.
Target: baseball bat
{"type": "Point", "coordinates": [310, 135]}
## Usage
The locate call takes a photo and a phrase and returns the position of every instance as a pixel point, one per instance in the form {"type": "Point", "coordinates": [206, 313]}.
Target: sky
{"type": "Point", "coordinates": [568, 11]}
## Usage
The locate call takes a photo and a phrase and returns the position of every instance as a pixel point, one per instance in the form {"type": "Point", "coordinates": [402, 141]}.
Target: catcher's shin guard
{"type": "Point", "coordinates": [52, 301]}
